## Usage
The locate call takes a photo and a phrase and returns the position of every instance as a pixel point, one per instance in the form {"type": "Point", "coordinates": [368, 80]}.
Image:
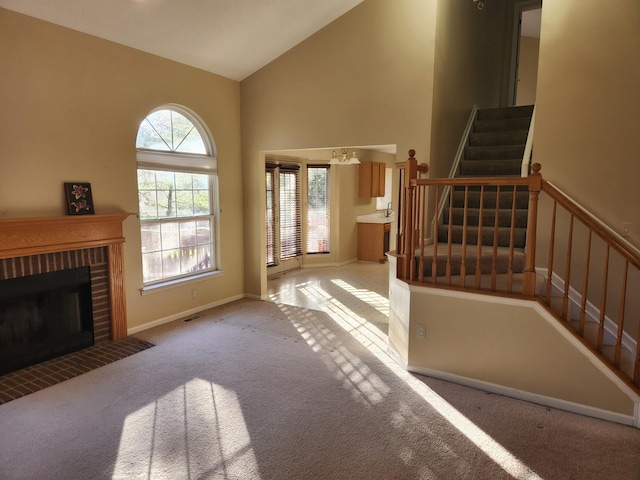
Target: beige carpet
{"type": "Point", "coordinates": [256, 390]}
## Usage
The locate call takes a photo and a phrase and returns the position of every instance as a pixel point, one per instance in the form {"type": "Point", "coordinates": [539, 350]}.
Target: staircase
{"type": "Point", "coordinates": [495, 148]}
{"type": "Point", "coordinates": [484, 212]}
{"type": "Point", "coordinates": [497, 142]}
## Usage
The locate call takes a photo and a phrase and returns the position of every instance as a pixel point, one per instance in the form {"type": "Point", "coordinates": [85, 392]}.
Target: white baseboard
{"type": "Point", "coordinates": [557, 403]}
{"type": "Point", "coordinates": [186, 313]}
{"type": "Point", "coordinates": [332, 264]}
{"type": "Point", "coordinates": [397, 357]}
{"type": "Point", "coordinates": [592, 313]}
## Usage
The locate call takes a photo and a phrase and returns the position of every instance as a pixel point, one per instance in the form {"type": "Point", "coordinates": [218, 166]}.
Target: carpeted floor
{"type": "Point", "coordinates": [42, 375]}
{"type": "Point", "coordinates": [261, 390]}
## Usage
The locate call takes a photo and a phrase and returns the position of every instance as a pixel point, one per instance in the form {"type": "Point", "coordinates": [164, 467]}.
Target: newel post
{"type": "Point", "coordinates": [535, 185]}
{"type": "Point", "coordinates": [411, 173]}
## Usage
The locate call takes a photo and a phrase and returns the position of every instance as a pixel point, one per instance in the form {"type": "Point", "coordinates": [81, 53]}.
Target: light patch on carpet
{"type": "Point", "coordinates": [500, 455]}
{"type": "Point", "coordinates": [359, 379]}
{"type": "Point", "coordinates": [181, 433]}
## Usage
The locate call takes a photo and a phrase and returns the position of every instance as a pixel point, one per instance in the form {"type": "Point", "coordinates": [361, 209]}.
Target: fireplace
{"type": "Point", "coordinates": [44, 316]}
{"type": "Point", "coordinates": [50, 265]}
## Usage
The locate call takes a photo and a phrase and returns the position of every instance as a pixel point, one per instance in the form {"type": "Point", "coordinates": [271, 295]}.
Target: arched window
{"type": "Point", "coordinates": [177, 193]}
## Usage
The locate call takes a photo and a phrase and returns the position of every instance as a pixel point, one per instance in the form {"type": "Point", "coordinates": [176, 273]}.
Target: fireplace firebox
{"type": "Point", "coordinates": [44, 316]}
{"type": "Point", "coordinates": [92, 294]}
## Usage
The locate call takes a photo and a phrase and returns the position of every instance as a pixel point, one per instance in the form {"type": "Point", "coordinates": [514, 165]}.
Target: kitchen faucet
{"type": "Point", "coordinates": [388, 212]}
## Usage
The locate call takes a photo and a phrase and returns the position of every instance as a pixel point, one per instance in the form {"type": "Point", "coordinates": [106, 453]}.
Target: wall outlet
{"type": "Point", "coordinates": [194, 294]}
{"type": "Point", "coordinates": [422, 331]}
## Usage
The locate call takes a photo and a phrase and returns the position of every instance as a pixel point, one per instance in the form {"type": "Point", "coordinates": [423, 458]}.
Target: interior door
{"type": "Point", "coordinates": [525, 47]}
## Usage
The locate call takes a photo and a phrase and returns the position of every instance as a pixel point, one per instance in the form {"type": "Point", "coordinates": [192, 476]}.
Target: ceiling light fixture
{"type": "Point", "coordinates": [480, 4]}
{"type": "Point", "coordinates": [344, 159]}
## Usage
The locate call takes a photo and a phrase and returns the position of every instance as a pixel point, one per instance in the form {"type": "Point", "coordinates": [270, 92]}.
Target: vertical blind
{"type": "Point", "coordinates": [318, 231]}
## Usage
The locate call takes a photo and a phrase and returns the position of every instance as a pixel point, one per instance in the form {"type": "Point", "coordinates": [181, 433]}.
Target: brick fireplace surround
{"type": "Point", "coordinates": [38, 245]}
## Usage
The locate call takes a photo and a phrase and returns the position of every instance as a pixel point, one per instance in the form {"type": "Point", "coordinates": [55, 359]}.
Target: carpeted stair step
{"type": "Point", "coordinates": [495, 149]}
{"type": "Point", "coordinates": [489, 199]}
{"type": "Point", "coordinates": [501, 125]}
{"type": "Point", "coordinates": [504, 235]}
{"type": "Point", "coordinates": [471, 255]}
{"type": "Point", "coordinates": [490, 168]}
{"type": "Point", "coordinates": [488, 217]}
{"type": "Point", "coordinates": [495, 152]}
{"type": "Point", "coordinates": [518, 137]}
{"type": "Point", "coordinates": [505, 112]}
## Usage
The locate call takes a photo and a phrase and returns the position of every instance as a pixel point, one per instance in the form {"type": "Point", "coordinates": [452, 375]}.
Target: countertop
{"type": "Point", "coordinates": [378, 217]}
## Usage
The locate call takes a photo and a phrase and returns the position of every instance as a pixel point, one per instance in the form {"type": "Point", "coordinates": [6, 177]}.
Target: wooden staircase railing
{"type": "Point", "coordinates": [477, 270]}
{"type": "Point", "coordinates": [605, 274]}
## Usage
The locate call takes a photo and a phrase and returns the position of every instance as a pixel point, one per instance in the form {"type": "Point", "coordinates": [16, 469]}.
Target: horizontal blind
{"type": "Point", "coordinates": [270, 216]}
{"type": "Point", "coordinates": [318, 211]}
{"type": "Point", "coordinates": [290, 212]}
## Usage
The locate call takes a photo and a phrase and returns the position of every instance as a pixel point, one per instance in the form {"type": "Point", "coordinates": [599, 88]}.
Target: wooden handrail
{"type": "Point", "coordinates": [592, 223]}
{"type": "Point", "coordinates": [473, 181]}
{"type": "Point", "coordinates": [629, 255]}
{"type": "Point", "coordinates": [413, 263]}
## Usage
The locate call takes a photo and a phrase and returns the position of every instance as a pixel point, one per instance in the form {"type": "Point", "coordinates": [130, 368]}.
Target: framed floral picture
{"type": "Point", "coordinates": [79, 198]}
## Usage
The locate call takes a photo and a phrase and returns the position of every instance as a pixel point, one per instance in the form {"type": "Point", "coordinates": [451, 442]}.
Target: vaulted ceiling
{"type": "Point", "coordinates": [232, 38]}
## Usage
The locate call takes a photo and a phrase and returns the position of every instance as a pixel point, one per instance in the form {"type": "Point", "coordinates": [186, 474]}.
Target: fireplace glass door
{"type": "Point", "coordinates": [44, 316]}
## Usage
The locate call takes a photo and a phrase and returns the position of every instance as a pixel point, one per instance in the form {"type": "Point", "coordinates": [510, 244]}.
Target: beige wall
{"type": "Point", "coordinates": [586, 136]}
{"type": "Point", "coordinates": [71, 106]}
{"type": "Point", "coordinates": [469, 64]}
{"type": "Point", "coordinates": [345, 204]}
{"type": "Point", "coordinates": [365, 79]}
{"type": "Point", "coordinates": [587, 107]}
{"type": "Point", "coordinates": [350, 205]}
{"type": "Point", "coordinates": [509, 345]}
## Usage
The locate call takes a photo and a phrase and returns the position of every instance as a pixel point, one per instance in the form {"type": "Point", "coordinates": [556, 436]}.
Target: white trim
{"type": "Point", "coordinates": [593, 358]}
{"type": "Point", "coordinates": [592, 313]}
{"type": "Point", "coordinates": [398, 359]}
{"type": "Point", "coordinates": [196, 120]}
{"type": "Point", "coordinates": [478, 297]}
{"type": "Point", "coordinates": [152, 160]}
{"type": "Point", "coordinates": [456, 161]}
{"type": "Point", "coordinates": [526, 157]}
{"type": "Point", "coordinates": [572, 339]}
{"type": "Point", "coordinates": [532, 397]}
{"type": "Point", "coordinates": [332, 264]}
{"type": "Point", "coordinates": [179, 282]}
{"type": "Point", "coordinates": [179, 315]}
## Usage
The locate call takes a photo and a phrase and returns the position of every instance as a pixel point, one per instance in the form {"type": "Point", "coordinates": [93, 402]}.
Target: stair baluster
{"type": "Point", "coordinates": [615, 342]}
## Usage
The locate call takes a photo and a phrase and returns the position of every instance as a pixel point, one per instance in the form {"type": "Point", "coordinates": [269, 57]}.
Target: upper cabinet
{"type": "Point", "coordinates": [371, 179]}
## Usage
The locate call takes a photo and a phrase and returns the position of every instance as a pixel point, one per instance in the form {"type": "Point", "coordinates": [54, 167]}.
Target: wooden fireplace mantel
{"type": "Point", "coordinates": [21, 237]}
{"type": "Point", "coordinates": [30, 236]}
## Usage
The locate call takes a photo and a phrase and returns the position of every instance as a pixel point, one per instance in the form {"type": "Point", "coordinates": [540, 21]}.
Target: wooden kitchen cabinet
{"type": "Point", "coordinates": [373, 241]}
{"type": "Point", "coordinates": [371, 179]}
